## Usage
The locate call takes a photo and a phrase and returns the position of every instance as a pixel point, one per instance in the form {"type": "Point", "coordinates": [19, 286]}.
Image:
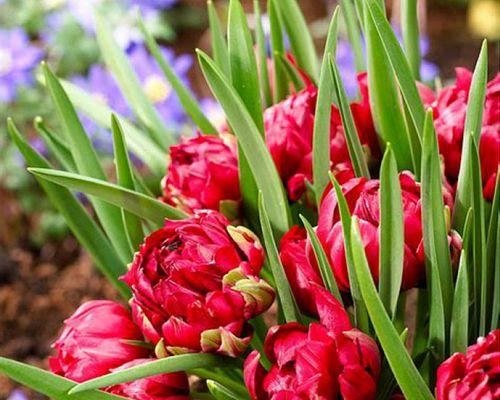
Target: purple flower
{"type": "Point", "coordinates": [18, 59]}
{"type": "Point", "coordinates": [155, 85]}
{"type": "Point", "coordinates": [154, 4]}
{"type": "Point", "coordinates": [17, 395]}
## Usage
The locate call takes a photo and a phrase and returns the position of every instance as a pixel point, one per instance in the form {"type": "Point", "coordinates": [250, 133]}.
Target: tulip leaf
{"type": "Point", "coordinates": [353, 33]}
{"type": "Point", "coordinates": [324, 266]}
{"type": "Point", "coordinates": [140, 144]}
{"type": "Point", "coordinates": [409, 29]}
{"type": "Point", "coordinates": [278, 48]}
{"type": "Point", "coordinates": [385, 99]}
{"type": "Point", "coordinates": [322, 116]}
{"type": "Point", "coordinates": [47, 383]}
{"type": "Point", "coordinates": [87, 162]}
{"type": "Point", "coordinates": [125, 176]}
{"type": "Point", "coordinates": [356, 152]}
{"type": "Point", "coordinates": [473, 121]}
{"type": "Point", "coordinates": [493, 255]}
{"type": "Point", "coordinates": [436, 246]}
{"type": "Point", "coordinates": [406, 373]}
{"type": "Point", "coordinates": [220, 392]}
{"type": "Point", "coordinates": [301, 41]}
{"type": "Point", "coordinates": [219, 45]}
{"type": "Point", "coordinates": [186, 98]}
{"type": "Point", "coordinates": [55, 145]}
{"type": "Point", "coordinates": [291, 72]}
{"type": "Point", "coordinates": [166, 365]}
{"type": "Point", "coordinates": [252, 143]}
{"type": "Point", "coordinates": [79, 221]}
{"type": "Point", "coordinates": [362, 319]}
{"type": "Point", "coordinates": [260, 39]}
{"type": "Point", "coordinates": [141, 205]}
{"type": "Point", "coordinates": [459, 329]}
{"type": "Point", "coordinates": [229, 380]}
{"type": "Point", "coordinates": [129, 83]}
{"type": "Point", "coordinates": [285, 295]}
{"type": "Point", "coordinates": [391, 233]}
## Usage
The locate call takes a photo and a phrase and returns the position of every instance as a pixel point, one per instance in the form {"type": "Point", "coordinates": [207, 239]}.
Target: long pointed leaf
{"type": "Point", "coordinates": [353, 33]}
{"type": "Point", "coordinates": [219, 46]}
{"type": "Point", "coordinates": [493, 255]}
{"type": "Point", "coordinates": [459, 329]}
{"type": "Point", "coordinates": [260, 38]}
{"type": "Point", "coordinates": [278, 48]}
{"type": "Point", "coordinates": [81, 224]}
{"type": "Point", "coordinates": [409, 28]}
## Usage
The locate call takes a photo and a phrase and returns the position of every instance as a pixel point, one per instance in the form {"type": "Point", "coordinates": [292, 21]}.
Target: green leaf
{"type": "Point", "coordinates": [362, 320]}
{"type": "Point", "coordinates": [186, 98]}
{"type": "Point", "coordinates": [125, 176]}
{"type": "Point", "coordinates": [135, 202]}
{"type": "Point", "coordinates": [437, 250]}
{"type": "Point", "coordinates": [219, 46]}
{"type": "Point", "coordinates": [166, 365]}
{"type": "Point", "coordinates": [56, 146]}
{"type": "Point", "coordinates": [391, 233]}
{"type": "Point", "coordinates": [87, 162]}
{"type": "Point", "coordinates": [437, 323]}
{"type": "Point", "coordinates": [322, 116]}
{"type": "Point", "coordinates": [385, 99]}
{"type": "Point", "coordinates": [353, 33]}
{"type": "Point", "coordinates": [301, 41]}
{"type": "Point", "coordinates": [473, 121]}
{"type": "Point", "coordinates": [356, 152]}
{"type": "Point", "coordinates": [260, 38]}
{"type": "Point", "coordinates": [409, 28]}
{"type": "Point", "coordinates": [81, 224]}
{"type": "Point", "coordinates": [493, 255]}
{"type": "Point", "coordinates": [285, 295]}
{"type": "Point", "coordinates": [140, 144]}
{"type": "Point", "coordinates": [411, 383]}
{"type": "Point", "coordinates": [290, 71]}
{"type": "Point", "coordinates": [129, 83]}
{"type": "Point", "coordinates": [48, 384]}
{"type": "Point", "coordinates": [324, 266]}
{"type": "Point", "coordinates": [495, 311]}
{"type": "Point", "coordinates": [278, 48]}
{"type": "Point", "coordinates": [459, 329]}
{"type": "Point", "coordinates": [252, 143]}
{"type": "Point", "coordinates": [220, 392]}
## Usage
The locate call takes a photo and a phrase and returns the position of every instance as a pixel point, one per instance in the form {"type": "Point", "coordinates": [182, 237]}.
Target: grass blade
{"type": "Point", "coordinates": [411, 383]}
{"type": "Point", "coordinates": [459, 329]}
{"type": "Point", "coordinates": [219, 45]}
{"type": "Point", "coordinates": [300, 37]}
{"type": "Point", "coordinates": [260, 38]}
{"type": "Point", "coordinates": [140, 144]}
{"type": "Point", "coordinates": [48, 384]}
{"type": "Point", "coordinates": [166, 365]}
{"type": "Point", "coordinates": [321, 134]}
{"type": "Point", "coordinates": [186, 98]}
{"type": "Point", "coordinates": [127, 80]}
{"type": "Point", "coordinates": [125, 176]}
{"type": "Point", "coordinates": [391, 233]}
{"type": "Point", "coordinates": [409, 29]}
{"type": "Point", "coordinates": [252, 143]}
{"type": "Point", "coordinates": [278, 48]}
{"type": "Point", "coordinates": [87, 162]}
{"type": "Point", "coordinates": [135, 202]}
{"type": "Point", "coordinates": [324, 266]}
{"type": "Point", "coordinates": [473, 121]}
{"type": "Point", "coordinates": [81, 224]}
{"type": "Point", "coordinates": [356, 152]}
{"type": "Point", "coordinates": [285, 295]}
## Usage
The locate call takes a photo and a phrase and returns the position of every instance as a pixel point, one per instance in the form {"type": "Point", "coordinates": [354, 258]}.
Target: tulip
{"type": "Point", "coordinates": [449, 108]}
{"type": "Point", "coordinates": [289, 129]}
{"type": "Point", "coordinates": [173, 386]}
{"type": "Point", "coordinates": [203, 174]}
{"type": "Point", "coordinates": [195, 285]}
{"type": "Point", "coordinates": [474, 375]}
{"type": "Point", "coordinates": [94, 341]}
{"type": "Point", "coordinates": [321, 361]}
{"type": "Point", "coordinates": [362, 197]}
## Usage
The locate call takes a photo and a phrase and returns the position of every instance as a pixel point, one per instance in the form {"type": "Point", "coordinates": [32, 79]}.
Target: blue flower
{"type": "Point", "coordinates": [18, 59]}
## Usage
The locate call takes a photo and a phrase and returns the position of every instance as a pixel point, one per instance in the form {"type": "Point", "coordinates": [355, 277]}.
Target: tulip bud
{"type": "Point", "coordinates": [258, 295]}
{"type": "Point", "coordinates": [223, 342]}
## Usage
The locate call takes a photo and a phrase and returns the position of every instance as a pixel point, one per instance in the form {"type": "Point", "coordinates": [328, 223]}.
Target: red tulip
{"type": "Point", "coordinates": [203, 174]}
{"type": "Point", "coordinates": [289, 133]}
{"type": "Point", "coordinates": [195, 285]}
{"type": "Point", "coordinates": [93, 341]}
{"type": "Point", "coordinates": [173, 386]}
{"type": "Point", "coordinates": [449, 107]}
{"type": "Point", "coordinates": [363, 200]}
{"type": "Point", "coordinates": [322, 361]}
{"type": "Point", "coordinates": [473, 376]}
